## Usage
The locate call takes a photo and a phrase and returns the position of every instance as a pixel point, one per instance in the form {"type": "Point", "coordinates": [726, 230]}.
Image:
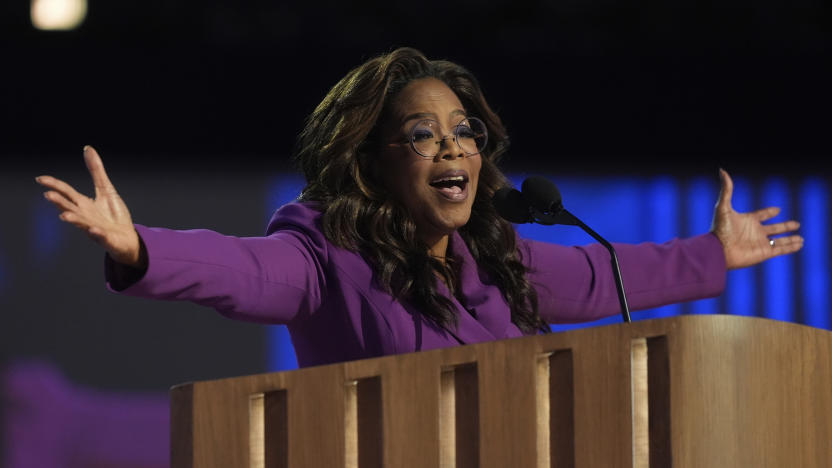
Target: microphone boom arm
{"type": "Point", "coordinates": [562, 216]}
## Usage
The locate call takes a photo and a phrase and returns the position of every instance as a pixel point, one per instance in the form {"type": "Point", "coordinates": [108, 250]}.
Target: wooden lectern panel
{"type": "Point", "coordinates": [690, 391]}
{"type": "Point", "coordinates": [751, 393]}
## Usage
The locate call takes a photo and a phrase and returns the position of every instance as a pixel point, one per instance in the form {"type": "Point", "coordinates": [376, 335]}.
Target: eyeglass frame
{"type": "Point", "coordinates": [444, 137]}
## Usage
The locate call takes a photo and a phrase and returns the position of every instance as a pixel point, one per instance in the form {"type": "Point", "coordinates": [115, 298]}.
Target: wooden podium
{"type": "Point", "coordinates": [690, 391]}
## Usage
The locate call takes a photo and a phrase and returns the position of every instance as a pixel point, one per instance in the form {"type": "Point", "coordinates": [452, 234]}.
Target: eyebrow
{"type": "Point", "coordinates": [431, 115]}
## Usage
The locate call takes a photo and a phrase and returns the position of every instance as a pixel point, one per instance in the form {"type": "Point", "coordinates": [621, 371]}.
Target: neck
{"type": "Point", "coordinates": [438, 247]}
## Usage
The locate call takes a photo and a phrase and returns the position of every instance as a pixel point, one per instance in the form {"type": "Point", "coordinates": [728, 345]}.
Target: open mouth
{"type": "Point", "coordinates": [453, 187]}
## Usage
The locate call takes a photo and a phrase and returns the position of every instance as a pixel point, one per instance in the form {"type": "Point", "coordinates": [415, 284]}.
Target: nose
{"type": "Point", "coordinates": [449, 149]}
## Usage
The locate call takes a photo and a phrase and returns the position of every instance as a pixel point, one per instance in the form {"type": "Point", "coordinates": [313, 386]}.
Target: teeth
{"type": "Point", "coordinates": [450, 179]}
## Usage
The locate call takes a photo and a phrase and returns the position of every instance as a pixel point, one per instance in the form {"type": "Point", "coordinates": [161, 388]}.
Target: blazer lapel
{"type": "Point", "coordinates": [483, 312]}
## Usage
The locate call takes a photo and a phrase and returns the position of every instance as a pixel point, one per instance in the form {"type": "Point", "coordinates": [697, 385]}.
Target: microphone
{"type": "Point", "coordinates": [511, 205]}
{"type": "Point", "coordinates": [541, 203]}
{"type": "Point", "coordinates": [542, 194]}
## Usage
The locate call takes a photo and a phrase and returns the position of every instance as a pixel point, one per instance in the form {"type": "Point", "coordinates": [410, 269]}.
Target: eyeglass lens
{"type": "Point", "coordinates": [470, 135]}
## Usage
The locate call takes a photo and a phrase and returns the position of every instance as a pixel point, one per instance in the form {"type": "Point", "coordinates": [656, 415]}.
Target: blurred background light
{"type": "Point", "coordinates": [56, 15]}
{"type": "Point", "coordinates": [814, 219]}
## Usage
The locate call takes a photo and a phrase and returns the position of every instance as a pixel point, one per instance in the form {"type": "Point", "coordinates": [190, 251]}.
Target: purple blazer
{"type": "Point", "coordinates": [335, 310]}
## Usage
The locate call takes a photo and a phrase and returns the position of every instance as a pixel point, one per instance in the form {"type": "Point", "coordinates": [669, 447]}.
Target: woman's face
{"type": "Point", "coordinates": [439, 191]}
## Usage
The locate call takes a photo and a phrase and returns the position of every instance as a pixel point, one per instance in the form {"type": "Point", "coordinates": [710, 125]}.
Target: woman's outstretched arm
{"type": "Point", "coordinates": [576, 283]}
{"type": "Point", "coordinates": [270, 279]}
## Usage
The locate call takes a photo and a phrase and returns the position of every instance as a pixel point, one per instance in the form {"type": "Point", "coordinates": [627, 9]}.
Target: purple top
{"type": "Point", "coordinates": [336, 311]}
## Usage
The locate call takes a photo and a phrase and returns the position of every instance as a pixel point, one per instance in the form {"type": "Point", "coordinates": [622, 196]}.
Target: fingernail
{"type": "Point", "coordinates": [86, 147]}
{"type": "Point", "coordinates": [37, 179]}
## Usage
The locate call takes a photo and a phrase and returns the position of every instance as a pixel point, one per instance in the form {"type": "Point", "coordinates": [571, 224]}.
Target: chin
{"type": "Point", "coordinates": [449, 220]}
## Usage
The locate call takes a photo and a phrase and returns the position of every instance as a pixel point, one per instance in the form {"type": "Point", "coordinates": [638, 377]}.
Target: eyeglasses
{"type": "Point", "coordinates": [426, 137]}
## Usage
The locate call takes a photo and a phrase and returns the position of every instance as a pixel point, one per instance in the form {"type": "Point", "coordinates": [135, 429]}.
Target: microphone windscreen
{"type": "Point", "coordinates": [511, 205]}
{"type": "Point", "coordinates": [542, 194]}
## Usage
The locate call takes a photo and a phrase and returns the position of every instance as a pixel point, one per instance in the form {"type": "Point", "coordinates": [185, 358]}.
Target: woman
{"type": "Point", "coordinates": [393, 245]}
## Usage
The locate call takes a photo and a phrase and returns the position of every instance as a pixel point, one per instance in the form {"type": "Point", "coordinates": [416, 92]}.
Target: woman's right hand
{"type": "Point", "coordinates": [105, 219]}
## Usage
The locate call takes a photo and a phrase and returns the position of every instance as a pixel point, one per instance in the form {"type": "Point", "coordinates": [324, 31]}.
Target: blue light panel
{"type": "Point", "coordinates": [814, 226]}
{"type": "Point", "coordinates": [778, 292]}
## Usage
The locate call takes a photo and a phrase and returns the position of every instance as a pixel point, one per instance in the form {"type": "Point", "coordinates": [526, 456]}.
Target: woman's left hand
{"type": "Point", "coordinates": [746, 240]}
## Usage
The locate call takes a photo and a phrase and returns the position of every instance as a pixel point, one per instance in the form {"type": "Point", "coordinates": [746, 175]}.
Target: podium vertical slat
{"type": "Point", "coordinates": [603, 406]}
{"type": "Point", "coordinates": [507, 405]}
{"type": "Point", "coordinates": [316, 418]}
{"type": "Point", "coordinates": [411, 390]}
{"type": "Point", "coordinates": [221, 421]}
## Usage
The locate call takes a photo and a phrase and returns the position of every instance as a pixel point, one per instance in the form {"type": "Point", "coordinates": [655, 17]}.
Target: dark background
{"type": "Point", "coordinates": [600, 85]}
{"type": "Point", "coordinates": [195, 105]}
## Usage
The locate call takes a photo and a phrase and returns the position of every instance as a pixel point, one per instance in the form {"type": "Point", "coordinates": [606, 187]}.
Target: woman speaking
{"type": "Point", "coordinates": [394, 245]}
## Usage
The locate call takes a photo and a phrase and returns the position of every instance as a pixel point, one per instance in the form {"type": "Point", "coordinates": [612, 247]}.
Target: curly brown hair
{"type": "Point", "coordinates": [335, 151]}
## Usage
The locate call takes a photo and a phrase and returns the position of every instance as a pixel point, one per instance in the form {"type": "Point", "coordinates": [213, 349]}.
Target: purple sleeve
{"type": "Point", "coordinates": [260, 279]}
{"type": "Point", "coordinates": [575, 284]}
